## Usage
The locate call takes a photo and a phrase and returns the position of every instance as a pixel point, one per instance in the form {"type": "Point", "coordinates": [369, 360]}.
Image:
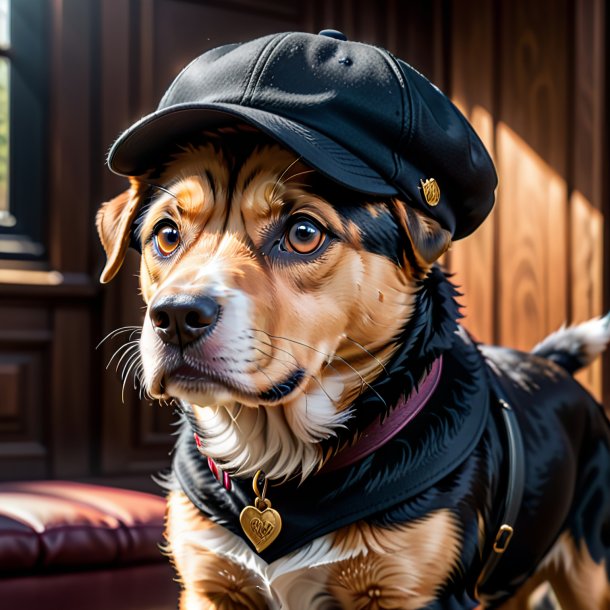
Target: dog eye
{"type": "Point", "coordinates": [166, 238]}
{"type": "Point", "coordinates": [304, 237]}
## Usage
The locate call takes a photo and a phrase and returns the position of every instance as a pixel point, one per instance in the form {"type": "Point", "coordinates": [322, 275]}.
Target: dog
{"type": "Point", "coordinates": [344, 442]}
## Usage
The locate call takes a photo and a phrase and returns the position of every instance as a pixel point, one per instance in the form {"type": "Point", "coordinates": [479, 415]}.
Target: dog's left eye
{"type": "Point", "coordinates": [167, 238]}
{"type": "Point", "coordinates": [303, 236]}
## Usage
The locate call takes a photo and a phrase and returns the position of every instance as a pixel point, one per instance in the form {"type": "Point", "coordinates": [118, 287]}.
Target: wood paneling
{"type": "Point", "coordinates": [530, 77]}
{"type": "Point", "coordinates": [70, 217]}
{"type": "Point", "coordinates": [538, 263]}
{"type": "Point", "coordinates": [472, 77]}
{"type": "Point", "coordinates": [25, 337]}
{"type": "Point", "coordinates": [586, 245]}
{"type": "Point", "coordinates": [531, 155]}
{"type": "Point", "coordinates": [411, 30]}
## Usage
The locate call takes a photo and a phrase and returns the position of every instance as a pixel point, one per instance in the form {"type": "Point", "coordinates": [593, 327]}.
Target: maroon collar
{"type": "Point", "coordinates": [374, 436]}
{"type": "Point", "coordinates": [380, 432]}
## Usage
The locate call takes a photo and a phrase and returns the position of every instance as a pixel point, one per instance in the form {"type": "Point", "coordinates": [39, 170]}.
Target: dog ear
{"type": "Point", "coordinates": [428, 238]}
{"type": "Point", "coordinates": [114, 220]}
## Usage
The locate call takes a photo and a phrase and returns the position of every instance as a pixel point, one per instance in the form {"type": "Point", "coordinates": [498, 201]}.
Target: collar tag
{"type": "Point", "coordinates": [261, 523]}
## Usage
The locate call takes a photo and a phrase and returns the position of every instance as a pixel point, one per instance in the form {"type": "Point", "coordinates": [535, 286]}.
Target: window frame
{"type": "Point", "coordinates": [27, 53]}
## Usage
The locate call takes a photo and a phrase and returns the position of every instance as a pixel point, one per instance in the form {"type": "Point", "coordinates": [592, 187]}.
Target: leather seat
{"type": "Point", "coordinates": [73, 545]}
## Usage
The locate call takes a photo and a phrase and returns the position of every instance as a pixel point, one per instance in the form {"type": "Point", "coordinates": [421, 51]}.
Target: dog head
{"type": "Point", "coordinates": [269, 289]}
{"type": "Point", "coordinates": [281, 299]}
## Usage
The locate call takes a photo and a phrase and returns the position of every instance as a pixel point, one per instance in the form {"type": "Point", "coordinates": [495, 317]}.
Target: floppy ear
{"type": "Point", "coordinates": [428, 238]}
{"type": "Point", "coordinates": [114, 220]}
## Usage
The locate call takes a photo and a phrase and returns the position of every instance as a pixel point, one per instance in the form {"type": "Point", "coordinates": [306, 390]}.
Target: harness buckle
{"type": "Point", "coordinates": [503, 538]}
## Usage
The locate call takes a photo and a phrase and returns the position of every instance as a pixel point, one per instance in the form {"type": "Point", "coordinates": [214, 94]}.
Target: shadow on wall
{"type": "Point", "coordinates": [537, 262]}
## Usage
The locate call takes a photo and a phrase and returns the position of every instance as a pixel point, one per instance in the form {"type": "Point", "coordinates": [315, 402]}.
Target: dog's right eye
{"type": "Point", "coordinates": [304, 236]}
{"type": "Point", "coordinates": [166, 238]}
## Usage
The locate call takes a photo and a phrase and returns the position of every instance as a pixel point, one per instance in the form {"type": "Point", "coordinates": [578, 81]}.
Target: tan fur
{"type": "Point", "coordinates": [428, 238]}
{"type": "Point", "coordinates": [400, 567]}
{"type": "Point", "coordinates": [113, 220]}
{"type": "Point", "coordinates": [209, 581]}
{"type": "Point", "coordinates": [576, 580]}
{"type": "Point", "coordinates": [299, 313]}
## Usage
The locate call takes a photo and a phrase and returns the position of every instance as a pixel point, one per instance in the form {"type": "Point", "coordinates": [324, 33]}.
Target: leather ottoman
{"type": "Point", "coordinates": [69, 545]}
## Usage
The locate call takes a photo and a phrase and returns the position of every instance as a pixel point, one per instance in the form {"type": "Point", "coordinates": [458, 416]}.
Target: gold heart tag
{"type": "Point", "coordinates": [261, 527]}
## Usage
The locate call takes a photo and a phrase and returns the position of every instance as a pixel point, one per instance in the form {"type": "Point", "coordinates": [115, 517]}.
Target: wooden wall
{"type": "Point", "coordinates": [529, 75]}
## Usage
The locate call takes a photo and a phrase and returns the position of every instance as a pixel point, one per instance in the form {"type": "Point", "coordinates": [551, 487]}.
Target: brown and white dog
{"type": "Point", "coordinates": [276, 301]}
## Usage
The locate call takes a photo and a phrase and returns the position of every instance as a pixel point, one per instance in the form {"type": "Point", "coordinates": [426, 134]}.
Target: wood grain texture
{"type": "Point", "coordinates": [586, 275]}
{"type": "Point", "coordinates": [25, 336]}
{"type": "Point", "coordinates": [472, 74]}
{"type": "Point", "coordinates": [532, 263]}
{"type": "Point", "coordinates": [586, 244]}
{"type": "Point", "coordinates": [70, 214]}
{"type": "Point", "coordinates": [531, 145]}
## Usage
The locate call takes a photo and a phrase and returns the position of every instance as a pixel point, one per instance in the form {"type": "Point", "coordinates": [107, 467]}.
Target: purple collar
{"type": "Point", "coordinates": [380, 432]}
{"type": "Point", "coordinates": [374, 436]}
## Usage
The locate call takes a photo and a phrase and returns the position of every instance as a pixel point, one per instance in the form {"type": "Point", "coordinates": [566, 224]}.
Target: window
{"type": "Point", "coordinates": [23, 50]}
{"type": "Point", "coordinates": [6, 220]}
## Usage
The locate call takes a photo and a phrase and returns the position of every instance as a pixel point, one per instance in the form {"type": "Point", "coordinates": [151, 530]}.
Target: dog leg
{"type": "Point", "coordinates": [578, 581]}
{"type": "Point", "coordinates": [521, 599]}
{"type": "Point", "coordinates": [209, 580]}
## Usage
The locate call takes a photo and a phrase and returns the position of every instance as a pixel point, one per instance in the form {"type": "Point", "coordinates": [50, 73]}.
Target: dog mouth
{"type": "Point", "coordinates": [204, 380]}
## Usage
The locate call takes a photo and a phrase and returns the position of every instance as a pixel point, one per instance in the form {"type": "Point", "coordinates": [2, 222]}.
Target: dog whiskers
{"type": "Point", "coordinates": [285, 351]}
{"type": "Point", "coordinates": [288, 367]}
{"type": "Point", "coordinates": [127, 347]}
{"type": "Point", "coordinates": [260, 370]}
{"type": "Point", "coordinates": [132, 362]}
{"type": "Point", "coordinates": [366, 351]}
{"type": "Point", "coordinates": [279, 180]}
{"type": "Point", "coordinates": [161, 188]}
{"type": "Point", "coordinates": [235, 417]}
{"type": "Point", "coordinates": [118, 331]}
{"type": "Point", "coordinates": [328, 356]}
{"type": "Point", "coordinates": [129, 352]}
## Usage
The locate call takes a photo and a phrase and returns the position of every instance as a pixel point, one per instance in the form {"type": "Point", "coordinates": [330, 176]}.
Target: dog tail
{"type": "Point", "coordinates": [575, 347]}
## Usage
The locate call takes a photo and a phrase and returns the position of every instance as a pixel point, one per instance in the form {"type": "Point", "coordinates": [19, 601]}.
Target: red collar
{"type": "Point", "coordinates": [380, 432]}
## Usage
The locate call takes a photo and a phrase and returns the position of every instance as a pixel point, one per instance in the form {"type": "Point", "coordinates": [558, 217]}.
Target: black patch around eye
{"type": "Point", "coordinates": [379, 232]}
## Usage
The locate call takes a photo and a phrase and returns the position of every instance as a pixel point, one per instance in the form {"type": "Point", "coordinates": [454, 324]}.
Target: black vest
{"type": "Point", "coordinates": [428, 449]}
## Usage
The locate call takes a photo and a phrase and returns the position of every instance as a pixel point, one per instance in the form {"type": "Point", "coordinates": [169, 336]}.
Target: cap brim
{"type": "Point", "coordinates": [137, 150]}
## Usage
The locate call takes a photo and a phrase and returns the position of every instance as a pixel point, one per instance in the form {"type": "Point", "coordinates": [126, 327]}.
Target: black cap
{"type": "Point", "coordinates": [351, 110]}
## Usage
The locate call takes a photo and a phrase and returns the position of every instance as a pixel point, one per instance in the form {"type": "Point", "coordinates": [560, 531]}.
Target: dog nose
{"type": "Point", "coordinates": [182, 319]}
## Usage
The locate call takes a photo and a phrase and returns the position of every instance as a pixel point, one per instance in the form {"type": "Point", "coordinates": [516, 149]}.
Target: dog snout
{"type": "Point", "coordinates": [182, 319]}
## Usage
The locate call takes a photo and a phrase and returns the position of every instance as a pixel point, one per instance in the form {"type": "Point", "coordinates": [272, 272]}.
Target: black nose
{"type": "Point", "coordinates": [182, 319]}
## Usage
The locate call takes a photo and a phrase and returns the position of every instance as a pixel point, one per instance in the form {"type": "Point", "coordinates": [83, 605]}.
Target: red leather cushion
{"type": "Point", "coordinates": [55, 524]}
{"type": "Point", "coordinates": [142, 587]}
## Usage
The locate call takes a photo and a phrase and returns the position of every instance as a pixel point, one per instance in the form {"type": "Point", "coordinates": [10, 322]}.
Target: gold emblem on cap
{"type": "Point", "coordinates": [432, 192]}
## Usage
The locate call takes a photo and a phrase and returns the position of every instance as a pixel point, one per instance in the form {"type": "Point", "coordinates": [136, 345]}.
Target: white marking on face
{"type": "Point", "coordinates": [313, 415]}
{"type": "Point", "coordinates": [226, 351]}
